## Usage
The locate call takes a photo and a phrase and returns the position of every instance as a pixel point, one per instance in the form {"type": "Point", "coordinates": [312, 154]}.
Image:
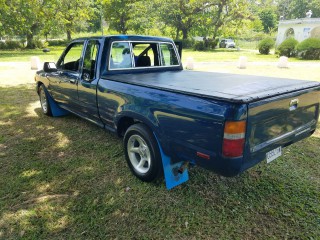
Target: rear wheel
{"type": "Point", "coordinates": [44, 101]}
{"type": "Point", "coordinates": [142, 153]}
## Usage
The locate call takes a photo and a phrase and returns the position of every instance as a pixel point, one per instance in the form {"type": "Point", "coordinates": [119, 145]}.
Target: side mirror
{"type": "Point", "coordinates": [86, 77]}
{"type": "Point", "coordinates": [49, 67]}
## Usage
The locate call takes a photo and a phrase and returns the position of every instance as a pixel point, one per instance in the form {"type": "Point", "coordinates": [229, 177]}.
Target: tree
{"type": "Point", "coordinates": [24, 18]}
{"type": "Point", "coordinates": [291, 9]}
{"type": "Point", "coordinates": [119, 13]}
{"type": "Point", "coordinates": [74, 14]}
{"type": "Point", "coordinates": [268, 19]}
{"type": "Point", "coordinates": [95, 22]}
{"type": "Point", "coordinates": [51, 24]}
{"type": "Point", "coordinates": [204, 17]}
{"type": "Point", "coordinates": [223, 17]}
{"type": "Point", "coordinates": [183, 15]}
{"type": "Point", "coordinates": [143, 17]}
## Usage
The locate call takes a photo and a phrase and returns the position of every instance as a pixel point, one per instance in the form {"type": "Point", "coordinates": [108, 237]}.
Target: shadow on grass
{"type": "Point", "coordinates": [65, 178]}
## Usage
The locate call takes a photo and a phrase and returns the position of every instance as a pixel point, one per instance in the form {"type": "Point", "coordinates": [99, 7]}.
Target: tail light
{"type": "Point", "coordinates": [233, 139]}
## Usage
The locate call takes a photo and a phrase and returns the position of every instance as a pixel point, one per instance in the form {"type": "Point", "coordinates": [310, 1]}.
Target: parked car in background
{"type": "Point", "coordinates": [227, 43]}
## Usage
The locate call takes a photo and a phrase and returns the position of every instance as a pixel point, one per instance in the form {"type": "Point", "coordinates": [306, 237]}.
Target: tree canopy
{"type": "Point", "coordinates": [25, 18]}
{"type": "Point", "coordinates": [291, 9]}
{"type": "Point", "coordinates": [175, 18]}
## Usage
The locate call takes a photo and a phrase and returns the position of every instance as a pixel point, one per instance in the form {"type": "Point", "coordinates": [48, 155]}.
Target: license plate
{"type": "Point", "coordinates": [273, 154]}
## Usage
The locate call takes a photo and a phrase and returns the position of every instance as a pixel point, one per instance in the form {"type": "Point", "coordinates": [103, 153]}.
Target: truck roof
{"type": "Point", "coordinates": [129, 38]}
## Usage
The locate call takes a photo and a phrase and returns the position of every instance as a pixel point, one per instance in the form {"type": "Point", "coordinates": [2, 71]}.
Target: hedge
{"type": "Point", "coordinates": [265, 45]}
{"type": "Point", "coordinates": [309, 49]}
{"type": "Point", "coordinates": [287, 47]}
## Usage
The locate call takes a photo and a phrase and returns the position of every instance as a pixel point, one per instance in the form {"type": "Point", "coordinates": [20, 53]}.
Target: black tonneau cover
{"type": "Point", "coordinates": [218, 86]}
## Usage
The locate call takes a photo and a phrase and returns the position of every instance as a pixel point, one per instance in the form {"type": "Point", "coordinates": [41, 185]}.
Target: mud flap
{"type": "Point", "coordinates": [172, 177]}
{"type": "Point", "coordinates": [55, 109]}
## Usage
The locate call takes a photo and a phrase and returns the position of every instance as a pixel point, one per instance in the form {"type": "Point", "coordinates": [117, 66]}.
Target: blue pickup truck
{"type": "Point", "coordinates": [135, 86]}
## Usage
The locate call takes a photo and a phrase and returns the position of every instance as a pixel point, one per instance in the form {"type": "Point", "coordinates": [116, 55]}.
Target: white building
{"type": "Point", "coordinates": [300, 29]}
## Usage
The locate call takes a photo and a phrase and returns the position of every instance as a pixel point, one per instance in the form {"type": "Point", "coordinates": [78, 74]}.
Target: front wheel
{"type": "Point", "coordinates": [142, 153]}
{"type": "Point", "coordinates": [44, 101]}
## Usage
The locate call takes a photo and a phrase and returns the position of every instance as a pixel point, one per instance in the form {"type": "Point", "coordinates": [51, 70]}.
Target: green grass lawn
{"type": "Point", "coordinates": [231, 55]}
{"type": "Point", "coordinates": [223, 54]}
{"type": "Point", "coordinates": [64, 178]}
{"type": "Point", "coordinates": [25, 55]}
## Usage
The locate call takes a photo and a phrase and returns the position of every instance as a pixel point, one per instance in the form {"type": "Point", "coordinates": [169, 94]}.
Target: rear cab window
{"type": "Point", "coordinates": [135, 55]}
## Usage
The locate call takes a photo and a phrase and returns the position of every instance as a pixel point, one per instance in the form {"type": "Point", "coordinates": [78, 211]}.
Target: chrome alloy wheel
{"type": "Point", "coordinates": [43, 101]}
{"type": "Point", "coordinates": [139, 153]}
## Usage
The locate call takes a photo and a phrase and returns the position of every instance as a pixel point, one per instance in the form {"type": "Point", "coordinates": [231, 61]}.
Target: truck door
{"type": "Point", "coordinates": [87, 87]}
{"type": "Point", "coordinates": [63, 83]}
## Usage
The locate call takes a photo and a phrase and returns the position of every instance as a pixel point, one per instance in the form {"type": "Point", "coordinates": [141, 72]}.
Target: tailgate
{"type": "Point", "coordinates": [280, 121]}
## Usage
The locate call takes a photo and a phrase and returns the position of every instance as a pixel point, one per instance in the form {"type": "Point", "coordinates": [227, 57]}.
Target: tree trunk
{"type": "Point", "coordinates": [177, 33]}
{"type": "Point", "coordinates": [30, 42]}
{"type": "Point", "coordinates": [123, 23]}
{"type": "Point", "coordinates": [69, 35]}
{"type": "Point", "coordinates": [218, 22]}
{"type": "Point", "coordinates": [33, 31]}
{"type": "Point", "coordinates": [184, 34]}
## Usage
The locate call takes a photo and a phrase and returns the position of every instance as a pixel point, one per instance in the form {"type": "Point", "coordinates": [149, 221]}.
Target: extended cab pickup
{"type": "Point", "coordinates": [169, 118]}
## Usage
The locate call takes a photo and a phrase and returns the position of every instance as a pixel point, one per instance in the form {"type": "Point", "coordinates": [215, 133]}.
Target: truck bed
{"type": "Point", "coordinates": [219, 86]}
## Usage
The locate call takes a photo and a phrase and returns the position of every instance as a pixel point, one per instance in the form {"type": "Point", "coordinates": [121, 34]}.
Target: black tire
{"type": "Point", "coordinates": [142, 153]}
{"type": "Point", "coordinates": [45, 104]}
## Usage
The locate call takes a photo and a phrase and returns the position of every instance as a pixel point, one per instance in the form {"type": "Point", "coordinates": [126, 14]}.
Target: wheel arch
{"type": "Point", "coordinates": [38, 84]}
{"type": "Point", "coordinates": [126, 119]}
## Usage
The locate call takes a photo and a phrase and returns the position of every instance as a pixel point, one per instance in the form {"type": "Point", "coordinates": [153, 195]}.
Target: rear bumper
{"type": "Point", "coordinates": [230, 167]}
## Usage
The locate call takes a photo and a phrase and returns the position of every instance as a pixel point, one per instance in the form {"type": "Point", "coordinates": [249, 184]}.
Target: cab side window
{"type": "Point", "coordinates": [168, 55]}
{"type": "Point", "coordinates": [120, 56]}
{"type": "Point", "coordinates": [70, 60]}
{"type": "Point", "coordinates": [90, 60]}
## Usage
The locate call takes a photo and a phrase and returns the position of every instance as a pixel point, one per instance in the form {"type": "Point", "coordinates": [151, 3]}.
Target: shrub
{"type": "Point", "coordinates": [265, 45]}
{"type": "Point", "coordinates": [187, 43]}
{"type": "Point", "coordinates": [58, 42]}
{"type": "Point", "coordinates": [199, 46]}
{"type": "Point", "coordinates": [40, 44]}
{"type": "Point", "coordinates": [23, 43]}
{"type": "Point", "coordinates": [2, 45]}
{"type": "Point", "coordinates": [206, 44]}
{"type": "Point", "coordinates": [287, 47]}
{"type": "Point", "coordinates": [12, 44]}
{"type": "Point", "coordinates": [309, 49]}
{"type": "Point", "coordinates": [211, 43]}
